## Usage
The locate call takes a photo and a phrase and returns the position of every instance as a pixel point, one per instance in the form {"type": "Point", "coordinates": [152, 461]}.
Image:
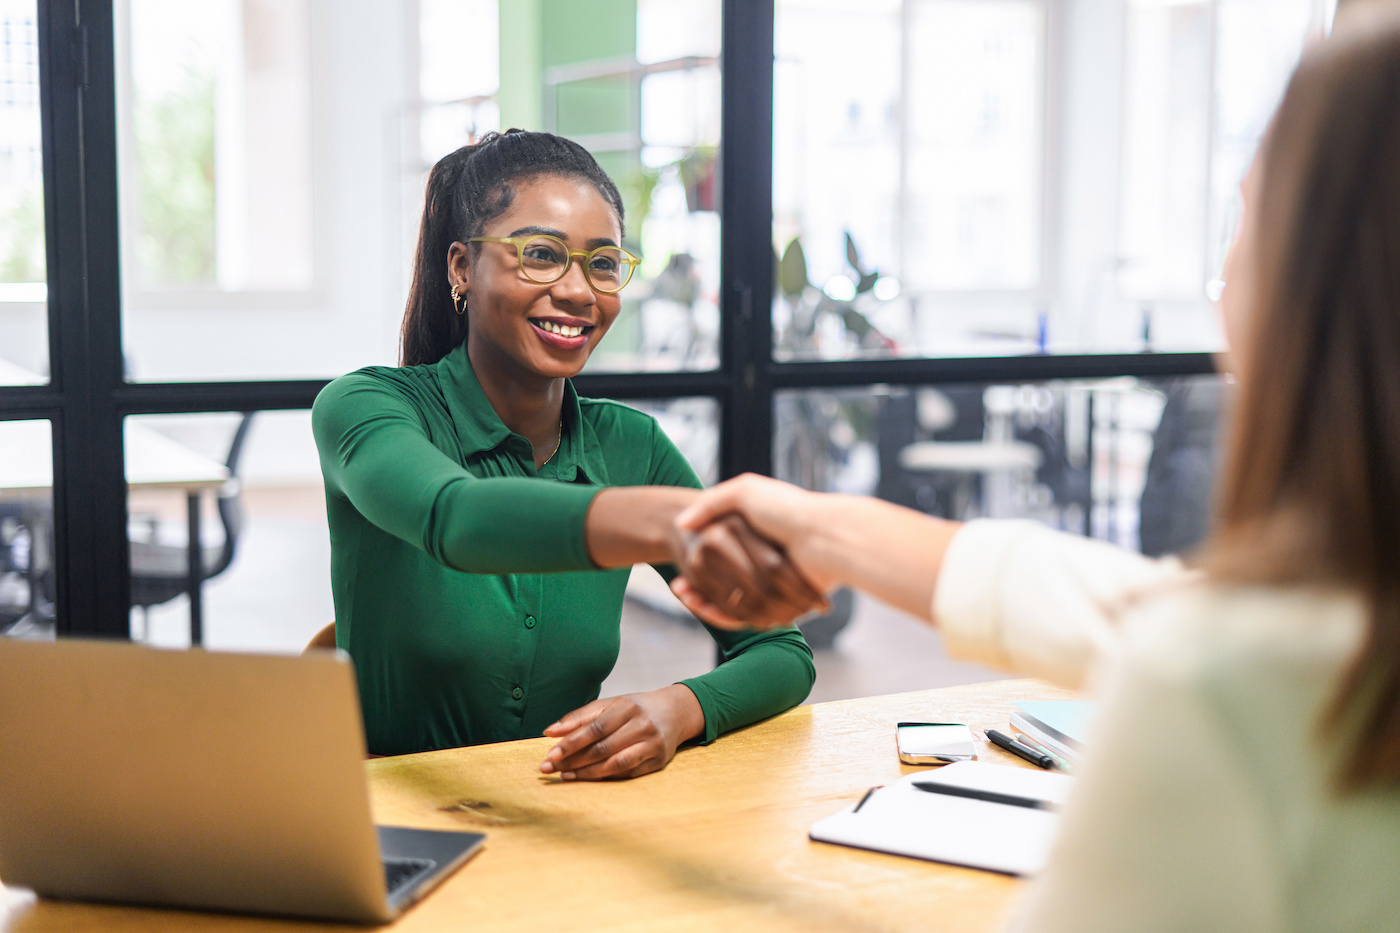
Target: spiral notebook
{"type": "Point", "coordinates": [978, 815]}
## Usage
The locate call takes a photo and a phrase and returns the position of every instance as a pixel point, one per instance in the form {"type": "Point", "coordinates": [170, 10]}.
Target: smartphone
{"type": "Point", "coordinates": [934, 743]}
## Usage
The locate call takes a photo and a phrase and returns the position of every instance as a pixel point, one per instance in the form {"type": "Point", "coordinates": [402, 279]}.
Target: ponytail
{"type": "Point", "coordinates": [466, 189]}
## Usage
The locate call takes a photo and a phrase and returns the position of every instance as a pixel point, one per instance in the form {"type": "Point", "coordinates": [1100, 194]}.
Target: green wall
{"type": "Point", "coordinates": [538, 34]}
{"type": "Point", "coordinates": [519, 94]}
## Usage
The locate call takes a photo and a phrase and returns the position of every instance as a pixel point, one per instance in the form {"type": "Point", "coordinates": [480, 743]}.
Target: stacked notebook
{"type": "Point", "coordinates": [978, 815]}
{"type": "Point", "coordinates": [1057, 726]}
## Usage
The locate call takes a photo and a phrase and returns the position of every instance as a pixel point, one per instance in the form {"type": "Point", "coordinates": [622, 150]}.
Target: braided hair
{"type": "Point", "coordinates": [466, 189]}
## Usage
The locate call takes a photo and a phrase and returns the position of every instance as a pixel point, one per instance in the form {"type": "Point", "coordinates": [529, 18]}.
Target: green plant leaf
{"type": "Point", "coordinates": [792, 270]}
{"type": "Point", "coordinates": [856, 322]}
{"type": "Point", "coordinates": [853, 254]}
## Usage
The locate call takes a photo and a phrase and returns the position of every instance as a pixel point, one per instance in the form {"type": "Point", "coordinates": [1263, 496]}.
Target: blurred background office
{"type": "Point", "coordinates": [996, 230]}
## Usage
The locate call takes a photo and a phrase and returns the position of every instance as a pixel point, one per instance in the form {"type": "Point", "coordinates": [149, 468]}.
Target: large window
{"type": "Point", "coordinates": [1005, 177]}
{"type": "Point", "coordinates": [914, 248]}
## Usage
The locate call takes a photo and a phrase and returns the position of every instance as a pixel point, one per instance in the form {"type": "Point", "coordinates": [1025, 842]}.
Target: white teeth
{"type": "Point", "coordinates": [560, 329]}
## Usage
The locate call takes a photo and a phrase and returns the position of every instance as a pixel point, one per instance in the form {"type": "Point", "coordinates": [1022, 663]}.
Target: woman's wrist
{"type": "Point", "coordinates": [824, 540]}
{"type": "Point", "coordinates": [688, 716]}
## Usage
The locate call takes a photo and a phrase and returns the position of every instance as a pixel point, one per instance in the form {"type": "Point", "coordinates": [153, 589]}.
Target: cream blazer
{"type": "Point", "coordinates": [1204, 801]}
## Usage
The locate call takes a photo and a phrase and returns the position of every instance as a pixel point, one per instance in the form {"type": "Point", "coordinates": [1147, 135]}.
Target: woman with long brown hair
{"type": "Point", "coordinates": [1244, 769]}
{"type": "Point", "coordinates": [484, 517]}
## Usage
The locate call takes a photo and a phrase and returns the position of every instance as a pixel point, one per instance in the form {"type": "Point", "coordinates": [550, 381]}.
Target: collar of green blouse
{"type": "Point", "coordinates": [480, 429]}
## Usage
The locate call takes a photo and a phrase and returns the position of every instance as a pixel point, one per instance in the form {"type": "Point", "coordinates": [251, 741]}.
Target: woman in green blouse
{"type": "Point", "coordinates": [484, 518]}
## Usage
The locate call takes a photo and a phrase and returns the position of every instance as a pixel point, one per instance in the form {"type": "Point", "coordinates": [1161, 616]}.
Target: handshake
{"type": "Point", "coordinates": [748, 557]}
{"type": "Point", "coordinates": [756, 553]}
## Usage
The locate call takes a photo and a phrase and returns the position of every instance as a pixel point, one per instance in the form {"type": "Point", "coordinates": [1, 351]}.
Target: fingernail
{"type": "Point", "coordinates": [554, 754]}
{"type": "Point", "coordinates": [568, 775]}
{"type": "Point", "coordinates": [547, 767]}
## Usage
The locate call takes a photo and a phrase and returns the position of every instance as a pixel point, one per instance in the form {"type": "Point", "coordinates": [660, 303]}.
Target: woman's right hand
{"type": "Point", "coordinates": [768, 516]}
{"type": "Point", "coordinates": [891, 552]}
{"type": "Point", "coordinates": [724, 562]}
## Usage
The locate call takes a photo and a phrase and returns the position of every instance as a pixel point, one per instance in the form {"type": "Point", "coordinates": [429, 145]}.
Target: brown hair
{"type": "Point", "coordinates": [467, 188]}
{"type": "Point", "coordinates": [1311, 485]}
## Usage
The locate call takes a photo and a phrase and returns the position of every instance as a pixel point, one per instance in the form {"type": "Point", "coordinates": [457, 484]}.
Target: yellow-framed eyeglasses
{"type": "Point", "coordinates": [545, 259]}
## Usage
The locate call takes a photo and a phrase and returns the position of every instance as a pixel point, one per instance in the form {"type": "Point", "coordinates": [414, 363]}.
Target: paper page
{"type": "Point", "coordinates": [903, 820]}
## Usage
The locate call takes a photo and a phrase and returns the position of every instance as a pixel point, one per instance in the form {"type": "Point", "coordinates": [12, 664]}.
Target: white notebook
{"type": "Point", "coordinates": [1006, 827]}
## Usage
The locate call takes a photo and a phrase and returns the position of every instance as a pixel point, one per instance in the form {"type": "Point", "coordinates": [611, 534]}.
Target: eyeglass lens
{"type": "Point", "coordinates": [544, 259]}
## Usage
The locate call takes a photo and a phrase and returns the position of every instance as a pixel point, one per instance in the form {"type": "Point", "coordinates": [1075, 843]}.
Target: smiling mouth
{"type": "Point", "coordinates": [562, 330]}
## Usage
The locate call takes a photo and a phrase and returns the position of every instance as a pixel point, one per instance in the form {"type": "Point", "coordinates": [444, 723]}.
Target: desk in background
{"type": "Point", "coordinates": [716, 842]}
{"type": "Point", "coordinates": [12, 374]}
{"type": "Point", "coordinates": [153, 462]}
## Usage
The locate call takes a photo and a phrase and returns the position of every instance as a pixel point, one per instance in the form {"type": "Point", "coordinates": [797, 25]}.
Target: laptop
{"type": "Point", "coordinates": [193, 779]}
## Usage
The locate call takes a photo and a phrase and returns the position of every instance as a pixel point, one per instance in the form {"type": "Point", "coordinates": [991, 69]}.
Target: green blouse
{"type": "Point", "coordinates": [463, 587]}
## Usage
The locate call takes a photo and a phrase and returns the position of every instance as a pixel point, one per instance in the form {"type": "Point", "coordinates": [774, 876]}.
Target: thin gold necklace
{"type": "Point", "coordinates": [558, 437]}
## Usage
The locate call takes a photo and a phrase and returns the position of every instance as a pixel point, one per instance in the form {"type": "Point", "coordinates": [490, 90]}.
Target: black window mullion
{"type": "Point", "coordinates": [746, 250]}
{"type": "Point", "coordinates": [78, 106]}
{"type": "Point", "coordinates": [1038, 368]}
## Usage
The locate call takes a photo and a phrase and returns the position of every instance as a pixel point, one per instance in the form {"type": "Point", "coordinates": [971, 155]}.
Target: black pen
{"type": "Point", "coordinates": [988, 796]}
{"type": "Point", "coordinates": [1002, 740]}
{"type": "Point", "coordinates": [866, 797]}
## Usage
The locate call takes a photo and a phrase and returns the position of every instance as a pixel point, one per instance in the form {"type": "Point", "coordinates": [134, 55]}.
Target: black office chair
{"type": "Point", "coordinates": [160, 571]}
{"type": "Point", "coordinates": [16, 589]}
{"type": "Point", "coordinates": [1174, 511]}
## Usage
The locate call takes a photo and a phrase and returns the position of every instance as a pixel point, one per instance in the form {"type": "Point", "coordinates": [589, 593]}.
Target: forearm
{"type": "Point", "coordinates": [629, 525]}
{"type": "Point", "coordinates": [509, 525]}
{"type": "Point", "coordinates": [376, 453]}
{"type": "Point", "coordinates": [614, 527]}
{"type": "Point", "coordinates": [888, 551]}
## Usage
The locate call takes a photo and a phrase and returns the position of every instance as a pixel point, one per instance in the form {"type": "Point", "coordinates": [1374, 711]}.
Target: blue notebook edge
{"type": "Point", "coordinates": [1065, 720]}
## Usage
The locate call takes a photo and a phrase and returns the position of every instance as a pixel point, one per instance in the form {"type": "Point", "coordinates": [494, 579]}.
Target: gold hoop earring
{"type": "Point", "coordinates": [459, 302]}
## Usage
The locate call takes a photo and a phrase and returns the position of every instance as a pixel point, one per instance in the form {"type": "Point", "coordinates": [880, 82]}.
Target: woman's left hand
{"type": "Point", "coordinates": [623, 737]}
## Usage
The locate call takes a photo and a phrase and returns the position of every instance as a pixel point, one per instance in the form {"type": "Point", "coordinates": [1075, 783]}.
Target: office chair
{"type": "Point", "coordinates": [324, 640]}
{"type": "Point", "coordinates": [1174, 511]}
{"type": "Point", "coordinates": [16, 589]}
{"type": "Point", "coordinates": [160, 571]}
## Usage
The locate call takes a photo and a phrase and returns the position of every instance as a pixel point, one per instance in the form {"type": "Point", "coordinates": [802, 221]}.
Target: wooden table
{"type": "Point", "coordinates": [717, 841]}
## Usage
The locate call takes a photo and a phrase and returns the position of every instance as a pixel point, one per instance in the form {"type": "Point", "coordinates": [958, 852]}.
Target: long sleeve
{"type": "Point", "coordinates": [763, 673]}
{"type": "Point", "coordinates": [1025, 598]}
{"type": "Point", "coordinates": [1166, 829]}
{"type": "Point", "coordinates": [376, 452]}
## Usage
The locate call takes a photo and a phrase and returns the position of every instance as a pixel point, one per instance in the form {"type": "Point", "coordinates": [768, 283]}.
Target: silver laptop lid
{"type": "Point", "coordinates": [186, 778]}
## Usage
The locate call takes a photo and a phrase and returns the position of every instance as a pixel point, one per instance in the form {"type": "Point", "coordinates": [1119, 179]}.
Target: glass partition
{"type": "Point", "coordinates": [24, 343]}
{"type": "Point", "coordinates": [254, 481]}
{"type": "Point", "coordinates": [1130, 461]}
{"type": "Point", "coordinates": [1006, 177]}
{"type": "Point", "coordinates": [273, 153]}
{"type": "Point", "coordinates": [26, 530]}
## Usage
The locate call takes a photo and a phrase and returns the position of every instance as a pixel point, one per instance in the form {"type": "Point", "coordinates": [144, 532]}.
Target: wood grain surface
{"type": "Point", "coordinates": [717, 841]}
